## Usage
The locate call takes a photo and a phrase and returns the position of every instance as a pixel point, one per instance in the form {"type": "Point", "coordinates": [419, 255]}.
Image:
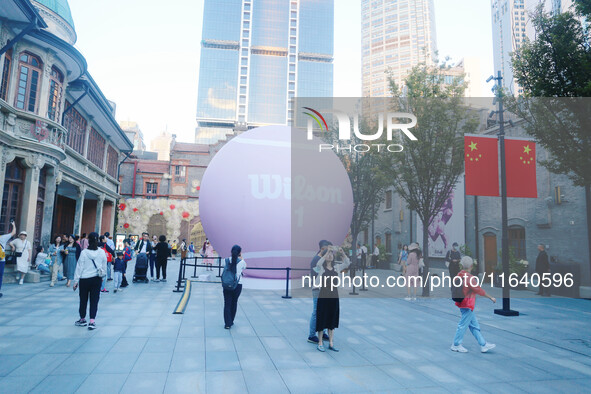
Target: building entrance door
{"type": "Point", "coordinates": [157, 226]}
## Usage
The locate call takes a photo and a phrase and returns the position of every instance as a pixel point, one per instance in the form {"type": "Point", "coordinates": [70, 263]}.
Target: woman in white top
{"type": "Point", "coordinates": [23, 246]}
{"type": "Point", "coordinates": [91, 267]}
{"type": "Point", "coordinates": [236, 265]}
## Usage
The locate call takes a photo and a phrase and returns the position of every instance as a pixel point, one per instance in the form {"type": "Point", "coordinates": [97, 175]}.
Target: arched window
{"type": "Point", "coordinates": [29, 77]}
{"type": "Point", "coordinates": [5, 74]}
{"type": "Point", "coordinates": [12, 196]}
{"type": "Point", "coordinates": [56, 80]}
{"type": "Point", "coordinates": [517, 241]}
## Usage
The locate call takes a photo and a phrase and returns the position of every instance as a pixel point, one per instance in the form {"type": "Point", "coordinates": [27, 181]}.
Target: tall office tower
{"type": "Point", "coordinates": [396, 35]}
{"type": "Point", "coordinates": [511, 26]}
{"type": "Point", "coordinates": [558, 6]}
{"type": "Point", "coordinates": [255, 56]}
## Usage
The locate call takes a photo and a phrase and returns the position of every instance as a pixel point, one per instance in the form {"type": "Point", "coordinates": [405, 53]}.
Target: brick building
{"type": "Point", "coordinates": [162, 196]}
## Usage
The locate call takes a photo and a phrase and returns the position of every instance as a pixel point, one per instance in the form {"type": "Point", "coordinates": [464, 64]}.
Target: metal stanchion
{"type": "Point", "coordinates": [180, 279]}
{"type": "Point", "coordinates": [194, 268]}
{"type": "Point", "coordinates": [287, 277]}
{"type": "Point", "coordinates": [219, 267]}
{"type": "Point", "coordinates": [363, 277]}
{"type": "Point", "coordinates": [352, 275]}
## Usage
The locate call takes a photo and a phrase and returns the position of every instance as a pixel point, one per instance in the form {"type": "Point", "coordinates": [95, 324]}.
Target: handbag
{"type": "Point", "coordinates": [19, 254]}
{"type": "Point", "coordinates": [100, 271]}
{"type": "Point", "coordinates": [421, 263]}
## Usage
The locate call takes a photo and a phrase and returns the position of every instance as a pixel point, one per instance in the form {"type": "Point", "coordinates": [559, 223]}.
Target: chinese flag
{"type": "Point", "coordinates": [520, 163]}
{"type": "Point", "coordinates": [481, 159]}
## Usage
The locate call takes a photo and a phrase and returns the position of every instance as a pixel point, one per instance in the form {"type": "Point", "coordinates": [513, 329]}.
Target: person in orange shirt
{"type": "Point", "coordinates": [468, 319]}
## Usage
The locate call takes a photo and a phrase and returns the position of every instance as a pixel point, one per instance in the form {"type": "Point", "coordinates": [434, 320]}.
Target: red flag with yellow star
{"type": "Point", "coordinates": [520, 163]}
{"type": "Point", "coordinates": [481, 159]}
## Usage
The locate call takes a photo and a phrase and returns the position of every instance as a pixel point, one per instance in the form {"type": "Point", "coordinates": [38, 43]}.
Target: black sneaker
{"type": "Point", "coordinates": [313, 339]}
{"type": "Point", "coordinates": [81, 323]}
{"type": "Point", "coordinates": [325, 336]}
{"type": "Point", "coordinates": [91, 326]}
{"type": "Point", "coordinates": [163, 280]}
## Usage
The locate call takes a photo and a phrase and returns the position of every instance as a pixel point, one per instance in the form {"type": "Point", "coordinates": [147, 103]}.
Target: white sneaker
{"type": "Point", "coordinates": [487, 347]}
{"type": "Point", "coordinates": [459, 348]}
{"type": "Point", "coordinates": [20, 282]}
{"type": "Point", "coordinates": [414, 298]}
{"type": "Point", "coordinates": [407, 298]}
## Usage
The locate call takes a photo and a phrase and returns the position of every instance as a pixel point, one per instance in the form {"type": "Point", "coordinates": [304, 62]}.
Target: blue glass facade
{"type": "Point", "coordinates": [258, 54]}
{"type": "Point", "coordinates": [267, 99]}
{"type": "Point", "coordinates": [221, 20]}
{"type": "Point", "coordinates": [218, 81]}
{"type": "Point", "coordinates": [316, 26]}
{"type": "Point", "coordinates": [270, 21]}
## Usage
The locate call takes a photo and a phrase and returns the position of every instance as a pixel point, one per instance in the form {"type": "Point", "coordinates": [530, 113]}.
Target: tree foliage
{"type": "Point", "coordinates": [554, 71]}
{"type": "Point", "coordinates": [367, 181]}
{"type": "Point", "coordinates": [428, 169]}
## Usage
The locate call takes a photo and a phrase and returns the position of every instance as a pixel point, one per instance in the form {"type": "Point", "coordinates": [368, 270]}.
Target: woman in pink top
{"type": "Point", "coordinates": [207, 251]}
{"type": "Point", "coordinates": [412, 270]}
{"type": "Point", "coordinates": [83, 242]}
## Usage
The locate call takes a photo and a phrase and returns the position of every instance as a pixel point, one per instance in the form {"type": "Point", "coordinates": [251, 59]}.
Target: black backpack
{"type": "Point", "coordinates": [457, 292]}
{"type": "Point", "coordinates": [229, 278]}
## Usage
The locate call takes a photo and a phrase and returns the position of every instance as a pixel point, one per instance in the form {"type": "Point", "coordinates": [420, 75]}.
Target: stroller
{"type": "Point", "coordinates": [141, 269]}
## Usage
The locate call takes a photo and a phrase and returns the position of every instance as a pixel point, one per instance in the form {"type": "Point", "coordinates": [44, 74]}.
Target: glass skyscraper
{"type": "Point", "coordinates": [256, 55]}
{"type": "Point", "coordinates": [396, 35]}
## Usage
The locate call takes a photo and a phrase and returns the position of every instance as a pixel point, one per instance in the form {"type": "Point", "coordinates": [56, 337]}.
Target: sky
{"type": "Point", "coordinates": [144, 55]}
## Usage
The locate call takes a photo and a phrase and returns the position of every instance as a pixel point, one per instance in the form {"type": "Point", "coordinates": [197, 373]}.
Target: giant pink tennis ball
{"type": "Point", "coordinates": [276, 199]}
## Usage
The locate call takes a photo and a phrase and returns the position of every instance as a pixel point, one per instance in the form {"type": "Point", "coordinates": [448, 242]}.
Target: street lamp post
{"type": "Point", "coordinates": [506, 310]}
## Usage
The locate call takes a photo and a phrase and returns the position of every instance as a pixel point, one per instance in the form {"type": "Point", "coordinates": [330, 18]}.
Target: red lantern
{"type": "Point", "coordinates": [198, 188]}
{"type": "Point", "coordinates": [122, 207]}
{"type": "Point", "coordinates": [172, 206]}
{"type": "Point", "coordinates": [185, 215]}
{"type": "Point", "coordinates": [135, 209]}
{"type": "Point", "coordinates": [126, 225]}
{"type": "Point", "coordinates": [161, 213]}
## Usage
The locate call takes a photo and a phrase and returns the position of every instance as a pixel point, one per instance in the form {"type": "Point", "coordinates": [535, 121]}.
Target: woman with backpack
{"type": "Point", "coordinates": [231, 284]}
{"type": "Point", "coordinates": [91, 267]}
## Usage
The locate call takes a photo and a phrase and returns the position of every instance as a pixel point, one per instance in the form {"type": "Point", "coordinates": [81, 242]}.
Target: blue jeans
{"type": "Point", "coordinates": [152, 264]}
{"type": "Point", "coordinates": [315, 293]}
{"type": "Point", "coordinates": [109, 270]}
{"type": "Point", "coordinates": [2, 264]}
{"type": "Point", "coordinates": [468, 319]}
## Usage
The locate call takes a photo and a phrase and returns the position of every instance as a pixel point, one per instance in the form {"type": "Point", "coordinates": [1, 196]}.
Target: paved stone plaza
{"type": "Point", "coordinates": [387, 345]}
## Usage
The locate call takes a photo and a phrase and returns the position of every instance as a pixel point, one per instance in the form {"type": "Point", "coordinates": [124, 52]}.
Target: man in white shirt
{"type": "Point", "coordinates": [374, 257]}
{"type": "Point", "coordinates": [4, 239]}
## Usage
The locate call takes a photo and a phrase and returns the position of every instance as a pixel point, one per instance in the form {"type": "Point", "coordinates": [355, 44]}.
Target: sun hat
{"type": "Point", "coordinates": [413, 246]}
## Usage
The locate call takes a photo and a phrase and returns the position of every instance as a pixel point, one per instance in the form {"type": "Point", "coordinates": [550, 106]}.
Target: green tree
{"type": "Point", "coordinates": [427, 170]}
{"type": "Point", "coordinates": [554, 71]}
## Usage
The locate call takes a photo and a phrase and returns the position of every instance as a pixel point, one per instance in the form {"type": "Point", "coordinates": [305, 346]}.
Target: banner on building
{"type": "Point", "coordinates": [481, 161]}
{"type": "Point", "coordinates": [520, 162]}
{"type": "Point", "coordinates": [448, 225]}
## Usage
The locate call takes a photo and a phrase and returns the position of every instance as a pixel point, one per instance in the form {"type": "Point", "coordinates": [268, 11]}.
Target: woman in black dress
{"type": "Point", "coordinates": [327, 313]}
{"type": "Point", "coordinates": [162, 255]}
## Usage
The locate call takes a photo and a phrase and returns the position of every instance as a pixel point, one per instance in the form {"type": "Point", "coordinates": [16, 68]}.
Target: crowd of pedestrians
{"type": "Point", "coordinates": [87, 263]}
